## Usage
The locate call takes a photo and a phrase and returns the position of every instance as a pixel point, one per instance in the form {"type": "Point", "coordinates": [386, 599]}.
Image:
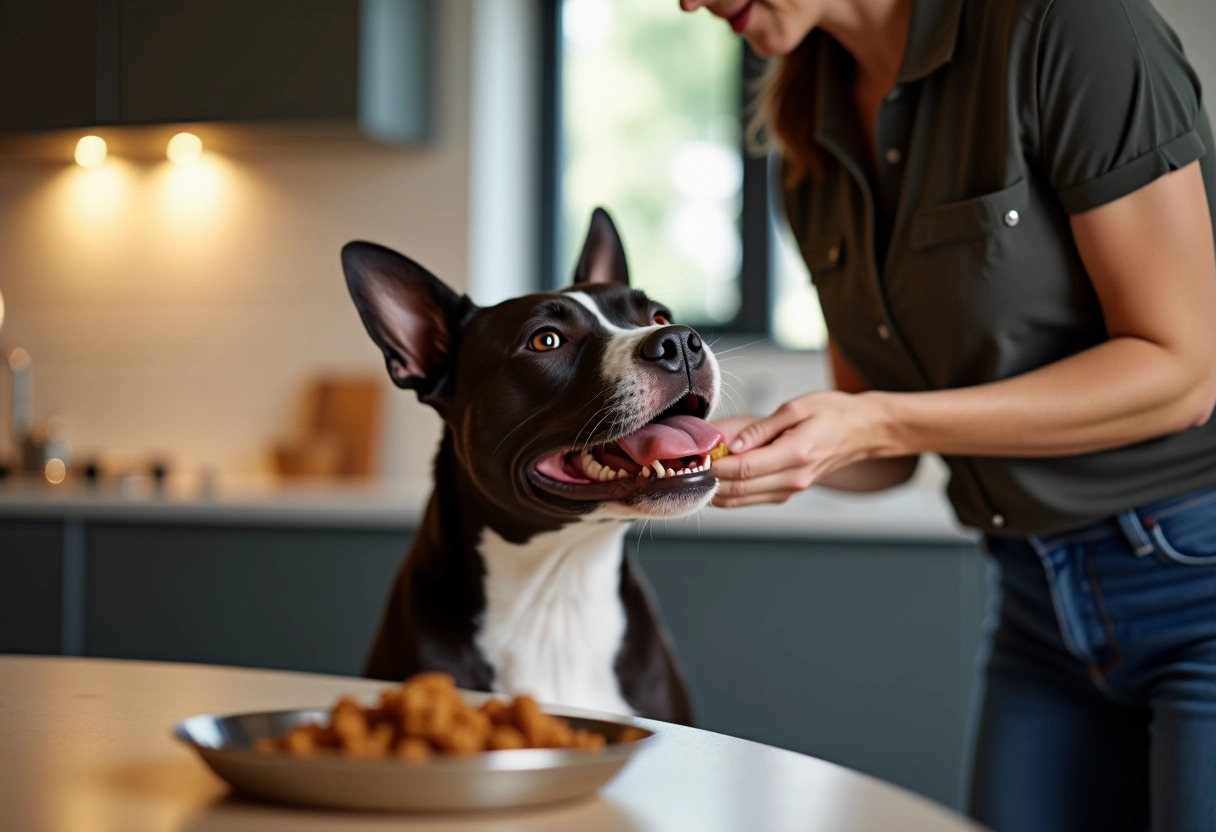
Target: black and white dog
{"type": "Point", "coordinates": [566, 416]}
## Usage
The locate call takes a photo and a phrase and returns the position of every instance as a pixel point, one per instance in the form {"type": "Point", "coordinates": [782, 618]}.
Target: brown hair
{"type": "Point", "coordinates": [783, 118]}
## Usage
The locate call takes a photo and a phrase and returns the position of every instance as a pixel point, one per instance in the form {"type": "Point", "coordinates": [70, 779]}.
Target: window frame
{"type": "Point", "coordinates": [753, 320]}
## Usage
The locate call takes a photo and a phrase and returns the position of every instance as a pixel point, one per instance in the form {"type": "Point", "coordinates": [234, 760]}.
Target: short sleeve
{"type": "Point", "coordinates": [1118, 101]}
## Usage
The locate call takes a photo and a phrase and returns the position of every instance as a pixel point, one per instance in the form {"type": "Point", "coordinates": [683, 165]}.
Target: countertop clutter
{"type": "Point", "coordinates": [916, 512]}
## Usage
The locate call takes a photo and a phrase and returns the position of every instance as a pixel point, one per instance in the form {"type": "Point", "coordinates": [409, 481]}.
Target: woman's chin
{"type": "Point", "coordinates": [768, 44]}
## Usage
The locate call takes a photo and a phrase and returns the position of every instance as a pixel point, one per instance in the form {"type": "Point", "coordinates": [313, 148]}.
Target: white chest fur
{"type": "Point", "coordinates": [554, 621]}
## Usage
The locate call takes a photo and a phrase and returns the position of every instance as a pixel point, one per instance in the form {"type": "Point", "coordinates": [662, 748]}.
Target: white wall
{"type": "Point", "coordinates": [180, 311]}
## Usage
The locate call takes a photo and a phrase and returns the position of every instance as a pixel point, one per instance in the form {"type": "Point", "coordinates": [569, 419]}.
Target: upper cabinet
{"type": "Point", "coordinates": [48, 64]}
{"type": "Point", "coordinates": [80, 63]}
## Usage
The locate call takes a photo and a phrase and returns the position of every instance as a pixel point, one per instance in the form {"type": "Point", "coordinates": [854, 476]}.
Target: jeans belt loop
{"type": "Point", "coordinates": [1134, 531]}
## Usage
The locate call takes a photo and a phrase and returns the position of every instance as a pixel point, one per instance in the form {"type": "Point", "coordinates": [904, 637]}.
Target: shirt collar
{"type": "Point", "coordinates": [932, 35]}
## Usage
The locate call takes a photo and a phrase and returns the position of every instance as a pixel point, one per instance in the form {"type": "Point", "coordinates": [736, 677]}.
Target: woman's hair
{"type": "Point", "coordinates": [783, 118]}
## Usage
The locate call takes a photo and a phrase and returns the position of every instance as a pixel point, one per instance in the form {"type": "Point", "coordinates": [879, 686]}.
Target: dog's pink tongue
{"type": "Point", "coordinates": [671, 438]}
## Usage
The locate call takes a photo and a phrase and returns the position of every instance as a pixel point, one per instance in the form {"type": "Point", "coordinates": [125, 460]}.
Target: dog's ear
{"type": "Point", "coordinates": [411, 315]}
{"type": "Point", "coordinates": [603, 257]}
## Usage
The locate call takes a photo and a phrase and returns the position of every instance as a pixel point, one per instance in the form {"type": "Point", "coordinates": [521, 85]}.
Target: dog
{"type": "Point", "coordinates": [566, 416]}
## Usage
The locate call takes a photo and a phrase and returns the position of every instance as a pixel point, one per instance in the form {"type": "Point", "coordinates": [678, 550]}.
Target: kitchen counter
{"type": "Point", "coordinates": [850, 610]}
{"type": "Point", "coordinates": [915, 512]}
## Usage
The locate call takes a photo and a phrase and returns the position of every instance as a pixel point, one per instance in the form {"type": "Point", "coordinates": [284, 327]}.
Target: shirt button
{"type": "Point", "coordinates": [883, 332]}
{"type": "Point", "coordinates": [1011, 218]}
{"type": "Point", "coordinates": [894, 93]}
{"type": "Point", "coordinates": [834, 255]}
{"type": "Point", "coordinates": [998, 521]}
{"type": "Point", "coordinates": [893, 156]}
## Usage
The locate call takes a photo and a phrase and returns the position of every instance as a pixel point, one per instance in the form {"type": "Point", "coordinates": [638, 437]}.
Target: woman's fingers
{"type": "Point", "coordinates": [765, 460]}
{"type": "Point", "coordinates": [775, 497]}
{"type": "Point", "coordinates": [731, 426]}
{"type": "Point", "coordinates": [763, 431]}
{"type": "Point", "coordinates": [789, 480]}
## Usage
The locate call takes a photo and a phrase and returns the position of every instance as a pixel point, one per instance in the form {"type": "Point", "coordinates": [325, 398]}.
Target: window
{"type": "Point", "coordinates": [647, 122]}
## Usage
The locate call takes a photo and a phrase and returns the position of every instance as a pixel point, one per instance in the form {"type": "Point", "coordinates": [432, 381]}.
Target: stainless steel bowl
{"type": "Point", "coordinates": [490, 780]}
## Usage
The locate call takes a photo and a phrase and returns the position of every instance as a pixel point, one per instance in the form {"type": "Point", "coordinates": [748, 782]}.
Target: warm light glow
{"type": "Point", "coordinates": [189, 197]}
{"type": "Point", "coordinates": [92, 203]}
{"type": "Point", "coordinates": [91, 152]}
{"type": "Point", "coordinates": [185, 148]}
{"type": "Point", "coordinates": [55, 471]}
{"type": "Point", "coordinates": [1, 311]}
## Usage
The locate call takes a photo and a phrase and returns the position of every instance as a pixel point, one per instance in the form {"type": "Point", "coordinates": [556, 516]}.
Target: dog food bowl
{"type": "Point", "coordinates": [488, 780]}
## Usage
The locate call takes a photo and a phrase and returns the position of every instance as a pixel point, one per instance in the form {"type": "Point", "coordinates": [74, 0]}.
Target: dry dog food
{"type": "Point", "coordinates": [425, 716]}
{"type": "Point", "coordinates": [720, 451]}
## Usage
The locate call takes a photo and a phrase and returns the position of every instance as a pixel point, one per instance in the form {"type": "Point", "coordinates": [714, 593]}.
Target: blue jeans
{"type": "Point", "coordinates": [1098, 709]}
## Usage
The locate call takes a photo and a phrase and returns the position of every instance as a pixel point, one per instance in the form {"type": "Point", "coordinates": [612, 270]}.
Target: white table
{"type": "Point", "coordinates": [85, 745]}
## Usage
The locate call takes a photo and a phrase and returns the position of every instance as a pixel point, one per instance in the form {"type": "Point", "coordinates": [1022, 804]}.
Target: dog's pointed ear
{"type": "Point", "coordinates": [603, 257]}
{"type": "Point", "coordinates": [412, 315]}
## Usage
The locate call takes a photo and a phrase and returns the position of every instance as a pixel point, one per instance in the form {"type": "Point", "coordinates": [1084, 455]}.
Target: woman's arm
{"type": "Point", "coordinates": [1150, 257]}
{"type": "Point", "coordinates": [870, 474]}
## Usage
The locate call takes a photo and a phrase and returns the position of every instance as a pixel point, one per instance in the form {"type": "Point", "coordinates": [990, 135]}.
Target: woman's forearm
{"type": "Point", "coordinates": [1119, 392]}
{"type": "Point", "coordinates": [872, 474]}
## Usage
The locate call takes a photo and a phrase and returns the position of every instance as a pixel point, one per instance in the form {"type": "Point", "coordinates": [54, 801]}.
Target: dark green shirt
{"type": "Point", "coordinates": [948, 260]}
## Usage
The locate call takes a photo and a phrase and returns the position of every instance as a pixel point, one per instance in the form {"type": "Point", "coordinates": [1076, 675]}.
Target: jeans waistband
{"type": "Point", "coordinates": [1133, 524]}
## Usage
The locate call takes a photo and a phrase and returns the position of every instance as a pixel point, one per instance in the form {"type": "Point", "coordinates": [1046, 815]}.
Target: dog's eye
{"type": "Point", "coordinates": [545, 340]}
{"type": "Point", "coordinates": [660, 319]}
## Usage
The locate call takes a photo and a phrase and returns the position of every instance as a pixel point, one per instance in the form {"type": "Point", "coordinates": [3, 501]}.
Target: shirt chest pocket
{"type": "Point", "coordinates": [982, 216]}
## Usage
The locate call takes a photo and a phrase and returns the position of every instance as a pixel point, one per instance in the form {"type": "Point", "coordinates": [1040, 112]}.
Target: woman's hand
{"type": "Point", "coordinates": [806, 439]}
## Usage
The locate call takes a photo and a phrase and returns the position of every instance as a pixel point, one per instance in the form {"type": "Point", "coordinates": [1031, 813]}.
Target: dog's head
{"type": "Point", "coordinates": [565, 403]}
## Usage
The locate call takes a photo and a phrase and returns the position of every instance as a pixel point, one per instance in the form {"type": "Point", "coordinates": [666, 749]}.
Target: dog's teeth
{"type": "Point", "coordinates": [591, 465]}
{"type": "Point", "coordinates": [707, 462]}
{"type": "Point", "coordinates": [671, 472]}
{"type": "Point", "coordinates": [658, 468]}
{"type": "Point", "coordinates": [622, 474]}
{"type": "Point", "coordinates": [607, 474]}
{"type": "Point", "coordinates": [645, 472]}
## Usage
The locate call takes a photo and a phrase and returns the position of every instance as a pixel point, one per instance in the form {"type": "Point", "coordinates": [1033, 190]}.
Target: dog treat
{"type": "Point", "coordinates": [427, 716]}
{"type": "Point", "coordinates": [720, 451]}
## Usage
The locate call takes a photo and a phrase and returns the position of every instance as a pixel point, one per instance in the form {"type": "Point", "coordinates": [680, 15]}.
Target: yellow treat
{"type": "Point", "coordinates": [720, 451]}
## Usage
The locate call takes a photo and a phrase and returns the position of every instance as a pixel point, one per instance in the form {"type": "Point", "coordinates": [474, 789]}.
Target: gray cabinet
{"type": "Point", "coordinates": [48, 60]}
{"type": "Point", "coordinates": [294, 599]}
{"type": "Point", "coordinates": [84, 63]}
{"type": "Point", "coordinates": [857, 652]}
{"type": "Point", "coordinates": [31, 587]}
{"type": "Point", "coordinates": [237, 60]}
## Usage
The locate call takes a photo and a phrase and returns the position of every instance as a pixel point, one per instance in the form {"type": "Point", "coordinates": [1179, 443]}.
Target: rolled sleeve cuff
{"type": "Point", "coordinates": [1123, 180]}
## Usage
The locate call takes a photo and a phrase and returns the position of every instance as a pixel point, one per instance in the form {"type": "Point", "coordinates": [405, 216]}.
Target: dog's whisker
{"type": "Point", "coordinates": [732, 395]}
{"type": "Point", "coordinates": [512, 430]}
{"type": "Point", "coordinates": [579, 435]}
{"type": "Point", "coordinates": [742, 346]}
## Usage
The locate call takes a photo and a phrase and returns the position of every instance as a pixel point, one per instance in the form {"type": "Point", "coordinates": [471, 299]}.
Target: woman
{"type": "Point", "coordinates": [1006, 209]}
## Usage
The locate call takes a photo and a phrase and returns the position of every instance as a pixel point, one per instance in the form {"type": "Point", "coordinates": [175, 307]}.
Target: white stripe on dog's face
{"type": "Point", "coordinates": [619, 366]}
{"type": "Point", "coordinates": [586, 301]}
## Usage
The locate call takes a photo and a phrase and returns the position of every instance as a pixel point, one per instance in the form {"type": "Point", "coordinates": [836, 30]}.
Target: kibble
{"type": "Point", "coordinates": [425, 716]}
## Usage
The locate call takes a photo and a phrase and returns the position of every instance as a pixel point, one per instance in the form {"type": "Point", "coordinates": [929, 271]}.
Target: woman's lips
{"type": "Point", "coordinates": [738, 20]}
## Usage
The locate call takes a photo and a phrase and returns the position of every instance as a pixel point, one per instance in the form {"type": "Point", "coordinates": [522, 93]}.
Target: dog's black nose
{"type": "Point", "coordinates": [674, 348]}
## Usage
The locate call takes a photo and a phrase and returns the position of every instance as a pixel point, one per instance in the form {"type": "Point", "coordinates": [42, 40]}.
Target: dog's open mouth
{"type": "Point", "coordinates": [669, 453]}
